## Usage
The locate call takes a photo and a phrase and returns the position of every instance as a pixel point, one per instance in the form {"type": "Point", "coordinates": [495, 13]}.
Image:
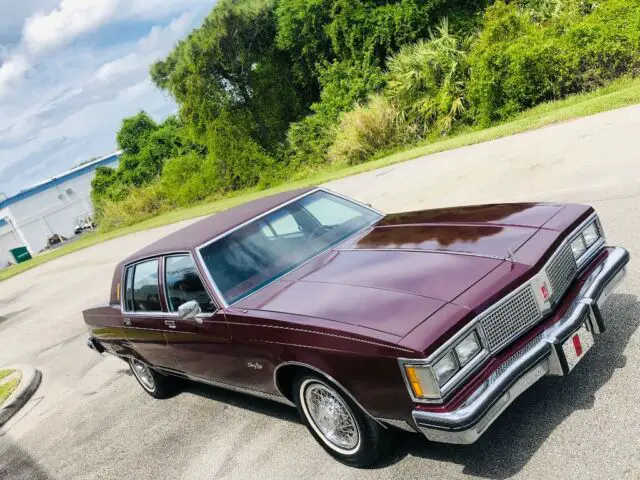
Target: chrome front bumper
{"type": "Point", "coordinates": [542, 356]}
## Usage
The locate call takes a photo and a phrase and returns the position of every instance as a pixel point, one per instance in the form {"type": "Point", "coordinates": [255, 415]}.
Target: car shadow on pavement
{"type": "Point", "coordinates": [17, 464]}
{"type": "Point", "coordinates": [521, 430]}
{"type": "Point", "coordinates": [244, 401]}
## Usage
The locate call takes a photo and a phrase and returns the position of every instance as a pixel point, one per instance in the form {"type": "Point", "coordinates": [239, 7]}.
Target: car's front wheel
{"type": "Point", "coordinates": [152, 382]}
{"type": "Point", "coordinates": [337, 423]}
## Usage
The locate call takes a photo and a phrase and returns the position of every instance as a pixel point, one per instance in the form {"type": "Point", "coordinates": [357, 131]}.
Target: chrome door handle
{"type": "Point", "coordinates": [170, 323]}
{"type": "Point", "coordinates": [127, 322]}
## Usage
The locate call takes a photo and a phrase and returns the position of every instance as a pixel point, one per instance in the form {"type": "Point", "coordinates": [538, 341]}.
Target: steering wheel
{"type": "Point", "coordinates": [319, 231]}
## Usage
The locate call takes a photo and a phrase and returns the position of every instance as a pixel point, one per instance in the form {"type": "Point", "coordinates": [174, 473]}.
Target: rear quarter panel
{"type": "Point", "coordinates": [105, 324]}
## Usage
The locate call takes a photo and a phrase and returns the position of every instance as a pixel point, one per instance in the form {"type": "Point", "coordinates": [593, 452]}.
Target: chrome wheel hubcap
{"type": "Point", "coordinates": [331, 416]}
{"type": "Point", "coordinates": [143, 373]}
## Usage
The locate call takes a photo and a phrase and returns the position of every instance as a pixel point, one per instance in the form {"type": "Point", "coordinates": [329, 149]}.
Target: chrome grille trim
{"type": "Point", "coordinates": [505, 366]}
{"type": "Point", "coordinates": [511, 318]}
{"type": "Point", "coordinates": [562, 270]}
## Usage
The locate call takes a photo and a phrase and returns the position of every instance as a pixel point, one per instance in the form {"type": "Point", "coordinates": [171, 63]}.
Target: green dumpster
{"type": "Point", "coordinates": [20, 254]}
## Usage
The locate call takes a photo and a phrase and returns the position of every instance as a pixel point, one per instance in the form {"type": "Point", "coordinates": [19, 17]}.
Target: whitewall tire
{"type": "Point", "coordinates": [337, 423]}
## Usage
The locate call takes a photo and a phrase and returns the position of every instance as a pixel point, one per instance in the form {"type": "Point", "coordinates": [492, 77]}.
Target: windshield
{"type": "Point", "coordinates": [269, 247]}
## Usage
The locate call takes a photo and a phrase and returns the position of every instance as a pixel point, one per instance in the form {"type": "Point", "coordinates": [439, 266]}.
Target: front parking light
{"type": "Point", "coordinates": [422, 382]}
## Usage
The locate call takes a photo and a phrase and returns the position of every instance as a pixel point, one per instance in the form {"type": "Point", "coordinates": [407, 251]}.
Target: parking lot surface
{"type": "Point", "coordinates": [90, 419]}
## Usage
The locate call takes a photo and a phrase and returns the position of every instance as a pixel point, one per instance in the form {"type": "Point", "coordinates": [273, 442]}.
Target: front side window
{"type": "Point", "coordinates": [269, 247]}
{"type": "Point", "coordinates": [183, 284]}
{"type": "Point", "coordinates": [142, 293]}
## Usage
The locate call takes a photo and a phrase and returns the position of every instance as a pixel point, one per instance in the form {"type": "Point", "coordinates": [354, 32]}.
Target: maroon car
{"type": "Point", "coordinates": [431, 321]}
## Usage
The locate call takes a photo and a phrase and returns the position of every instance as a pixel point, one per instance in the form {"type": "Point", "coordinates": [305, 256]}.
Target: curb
{"type": "Point", "coordinates": [28, 385]}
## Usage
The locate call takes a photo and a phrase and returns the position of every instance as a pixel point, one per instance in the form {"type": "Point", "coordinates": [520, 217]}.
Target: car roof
{"type": "Point", "coordinates": [196, 234]}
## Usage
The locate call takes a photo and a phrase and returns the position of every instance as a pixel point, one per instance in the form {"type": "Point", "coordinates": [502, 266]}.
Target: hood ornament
{"type": "Point", "coordinates": [511, 256]}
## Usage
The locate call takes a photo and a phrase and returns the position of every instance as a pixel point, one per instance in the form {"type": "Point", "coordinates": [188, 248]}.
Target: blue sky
{"type": "Point", "coordinates": [70, 70]}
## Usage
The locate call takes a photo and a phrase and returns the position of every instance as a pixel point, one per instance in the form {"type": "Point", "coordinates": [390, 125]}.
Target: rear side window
{"type": "Point", "coordinates": [184, 284]}
{"type": "Point", "coordinates": [128, 293]}
{"type": "Point", "coordinates": [142, 293]}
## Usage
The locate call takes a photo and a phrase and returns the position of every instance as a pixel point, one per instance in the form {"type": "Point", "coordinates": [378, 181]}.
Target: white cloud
{"type": "Point", "coordinates": [157, 8]}
{"type": "Point", "coordinates": [116, 68]}
{"type": "Point", "coordinates": [148, 49]}
{"type": "Point", "coordinates": [73, 18]}
{"type": "Point", "coordinates": [65, 104]}
{"type": "Point", "coordinates": [70, 19]}
{"type": "Point", "coordinates": [12, 70]}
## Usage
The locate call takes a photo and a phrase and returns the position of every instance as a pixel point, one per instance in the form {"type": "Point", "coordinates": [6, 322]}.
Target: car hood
{"type": "Point", "coordinates": [421, 275]}
{"type": "Point", "coordinates": [392, 278]}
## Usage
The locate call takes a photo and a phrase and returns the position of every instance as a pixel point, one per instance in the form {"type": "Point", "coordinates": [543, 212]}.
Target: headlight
{"type": "Point", "coordinates": [578, 247]}
{"type": "Point", "coordinates": [446, 368]}
{"type": "Point", "coordinates": [468, 348]}
{"type": "Point", "coordinates": [588, 237]}
{"type": "Point", "coordinates": [591, 234]}
{"type": "Point", "coordinates": [428, 380]}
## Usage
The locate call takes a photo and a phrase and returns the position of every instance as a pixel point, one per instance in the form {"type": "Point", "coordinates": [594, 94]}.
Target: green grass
{"type": "Point", "coordinates": [9, 387]}
{"type": "Point", "coordinates": [618, 94]}
{"type": "Point", "coordinates": [5, 373]}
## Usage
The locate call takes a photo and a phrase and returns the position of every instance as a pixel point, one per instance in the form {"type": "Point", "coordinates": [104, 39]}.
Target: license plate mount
{"type": "Point", "coordinates": [576, 346]}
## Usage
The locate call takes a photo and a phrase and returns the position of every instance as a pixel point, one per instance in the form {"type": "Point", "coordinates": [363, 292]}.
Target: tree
{"type": "Point", "coordinates": [134, 133]}
{"type": "Point", "coordinates": [231, 66]}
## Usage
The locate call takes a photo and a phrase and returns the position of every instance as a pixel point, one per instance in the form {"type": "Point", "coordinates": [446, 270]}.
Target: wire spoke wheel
{"type": "Point", "coordinates": [143, 374]}
{"type": "Point", "coordinates": [331, 417]}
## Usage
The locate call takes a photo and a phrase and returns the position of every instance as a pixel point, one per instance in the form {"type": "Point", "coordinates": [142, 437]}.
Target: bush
{"type": "Point", "coordinates": [344, 84]}
{"type": "Point", "coordinates": [517, 64]}
{"type": "Point", "coordinates": [368, 129]}
{"type": "Point", "coordinates": [239, 161]}
{"type": "Point", "coordinates": [428, 80]}
{"type": "Point", "coordinates": [189, 179]}
{"type": "Point", "coordinates": [140, 204]}
{"type": "Point", "coordinates": [308, 142]}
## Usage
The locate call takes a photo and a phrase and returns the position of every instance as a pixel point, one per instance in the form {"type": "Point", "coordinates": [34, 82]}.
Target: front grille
{"type": "Point", "coordinates": [561, 272]}
{"type": "Point", "coordinates": [509, 319]}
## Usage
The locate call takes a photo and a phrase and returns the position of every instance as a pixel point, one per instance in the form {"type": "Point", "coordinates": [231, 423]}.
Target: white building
{"type": "Point", "coordinates": [34, 215]}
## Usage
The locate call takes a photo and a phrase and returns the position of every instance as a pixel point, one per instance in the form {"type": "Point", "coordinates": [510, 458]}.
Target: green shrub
{"type": "Point", "coordinates": [368, 129]}
{"type": "Point", "coordinates": [308, 142]}
{"type": "Point", "coordinates": [428, 80]}
{"type": "Point", "coordinates": [189, 179]}
{"type": "Point", "coordinates": [517, 64]}
{"type": "Point", "coordinates": [344, 84]}
{"type": "Point", "coordinates": [141, 203]}
{"type": "Point", "coordinates": [239, 161]}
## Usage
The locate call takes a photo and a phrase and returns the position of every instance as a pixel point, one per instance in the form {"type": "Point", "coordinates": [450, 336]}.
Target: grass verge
{"type": "Point", "coordinates": [620, 93]}
{"type": "Point", "coordinates": [7, 388]}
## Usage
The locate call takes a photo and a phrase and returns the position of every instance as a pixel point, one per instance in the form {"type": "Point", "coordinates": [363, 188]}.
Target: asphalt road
{"type": "Point", "coordinates": [90, 420]}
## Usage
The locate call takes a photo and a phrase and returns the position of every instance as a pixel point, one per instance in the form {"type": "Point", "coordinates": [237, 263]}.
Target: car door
{"type": "Point", "coordinates": [144, 322]}
{"type": "Point", "coordinates": [202, 347]}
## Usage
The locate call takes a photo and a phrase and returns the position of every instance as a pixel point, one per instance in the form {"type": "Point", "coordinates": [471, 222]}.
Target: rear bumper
{"type": "Point", "coordinates": [540, 357]}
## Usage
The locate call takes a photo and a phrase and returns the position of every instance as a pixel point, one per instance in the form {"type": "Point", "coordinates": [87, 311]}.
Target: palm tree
{"type": "Point", "coordinates": [427, 80]}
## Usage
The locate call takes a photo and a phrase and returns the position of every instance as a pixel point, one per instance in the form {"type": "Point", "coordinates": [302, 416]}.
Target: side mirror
{"type": "Point", "coordinates": [189, 310]}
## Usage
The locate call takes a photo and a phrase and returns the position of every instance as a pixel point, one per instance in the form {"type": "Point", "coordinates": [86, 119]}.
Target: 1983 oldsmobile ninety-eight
{"type": "Point", "coordinates": [431, 321]}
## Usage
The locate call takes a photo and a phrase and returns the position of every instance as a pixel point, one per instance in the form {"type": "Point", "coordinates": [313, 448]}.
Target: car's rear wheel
{"type": "Point", "coordinates": [337, 423]}
{"type": "Point", "coordinates": [152, 382]}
